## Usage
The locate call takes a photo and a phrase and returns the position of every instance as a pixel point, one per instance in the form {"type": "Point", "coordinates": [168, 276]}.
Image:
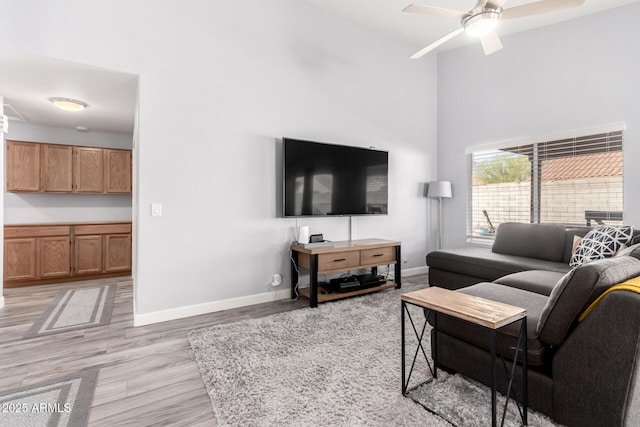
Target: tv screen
{"type": "Point", "coordinates": [325, 179]}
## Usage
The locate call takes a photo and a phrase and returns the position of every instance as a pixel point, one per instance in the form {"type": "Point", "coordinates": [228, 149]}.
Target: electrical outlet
{"type": "Point", "coordinates": [276, 280]}
{"type": "Point", "coordinates": [404, 260]}
{"type": "Point", "coordinates": [156, 209]}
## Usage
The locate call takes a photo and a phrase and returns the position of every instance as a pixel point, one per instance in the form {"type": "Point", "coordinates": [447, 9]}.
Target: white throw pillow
{"type": "Point", "coordinates": [601, 242]}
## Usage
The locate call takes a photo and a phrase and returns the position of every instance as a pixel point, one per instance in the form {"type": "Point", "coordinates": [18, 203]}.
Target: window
{"type": "Point", "coordinates": [571, 181]}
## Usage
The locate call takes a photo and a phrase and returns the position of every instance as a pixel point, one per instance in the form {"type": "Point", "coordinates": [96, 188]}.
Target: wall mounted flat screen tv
{"type": "Point", "coordinates": [326, 179]}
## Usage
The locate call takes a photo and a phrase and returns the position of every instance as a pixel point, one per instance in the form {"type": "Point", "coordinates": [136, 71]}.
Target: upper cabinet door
{"type": "Point", "coordinates": [23, 166]}
{"type": "Point", "coordinates": [88, 170]}
{"type": "Point", "coordinates": [117, 171]}
{"type": "Point", "coordinates": [58, 168]}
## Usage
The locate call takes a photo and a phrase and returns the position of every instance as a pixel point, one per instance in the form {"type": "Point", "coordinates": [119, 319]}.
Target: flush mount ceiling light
{"type": "Point", "coordinates": [68, 104]}
{"type": "Point", "coordinates": [482, 23]}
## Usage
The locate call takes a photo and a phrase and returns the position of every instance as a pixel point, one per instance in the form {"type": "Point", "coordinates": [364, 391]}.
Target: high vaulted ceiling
{"type": "Point", "coordinates": [26, 82]}
{"type": "Point", "coordinates": [387, 17]}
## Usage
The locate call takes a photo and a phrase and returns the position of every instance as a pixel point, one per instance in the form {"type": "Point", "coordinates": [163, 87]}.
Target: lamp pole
{"type": "Point", "coordinates": [439, 222]}
{"type": "Point", "coordinates": [439, 190]}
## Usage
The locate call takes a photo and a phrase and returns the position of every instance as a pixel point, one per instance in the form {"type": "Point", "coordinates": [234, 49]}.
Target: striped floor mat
{"type": "Point", "coordinates": [74, 309]}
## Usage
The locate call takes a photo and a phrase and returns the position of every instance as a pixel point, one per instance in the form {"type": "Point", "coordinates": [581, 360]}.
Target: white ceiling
{"type": "Point", "coordinates": [26, 82]}
{"type": "Point", "coordinates": [387, 17]}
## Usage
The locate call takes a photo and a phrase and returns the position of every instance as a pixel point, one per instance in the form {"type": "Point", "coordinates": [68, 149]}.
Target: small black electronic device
{"type": "Point", "coordinates": [315, 238]}
{"type": "Point", "coordinates": [368, 280]}
{"type": "Point", "coordinates": [344, 284]}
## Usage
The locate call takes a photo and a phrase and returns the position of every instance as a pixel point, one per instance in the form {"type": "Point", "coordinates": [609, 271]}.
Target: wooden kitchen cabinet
{"type": "Point", "coordinates": [50, 253]}
{"type": "Point", "coordinates": [117, 171]}
{"type": "Point", "coordinates": [54, 168]}
{"type": "Point", "coordinates": [57, 170]}
{"type": "Point", "coordinates": [117, 252]}
{"type": "Point", "coordinates": [23, 166]}
{"type": "Point", "coordinates": [88, 254]}
{"type": "Point", "coordinates": [88, 170]}
{"type": "Point", "coordinates": [33, 253]}
{"type": "Point", "coordinates": [103, 248]}
{"type": "Point", "coordinates": [55, 260]}
{"type": "Point", "coordinates": [20, 259]}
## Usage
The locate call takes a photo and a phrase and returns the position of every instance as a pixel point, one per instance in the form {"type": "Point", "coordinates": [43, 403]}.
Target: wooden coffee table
{"type": "Point", "coordinates": [490, 314]}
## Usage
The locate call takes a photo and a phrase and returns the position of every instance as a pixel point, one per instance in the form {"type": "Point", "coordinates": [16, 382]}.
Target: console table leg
{"type": "Point", "coordinates": [313, 271]}
{"type": "Point", "coordinates": [398, 268]}
{"type": "Point", "coordinates": [294, 274]}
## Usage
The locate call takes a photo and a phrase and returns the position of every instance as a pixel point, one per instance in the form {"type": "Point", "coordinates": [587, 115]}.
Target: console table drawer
{"type": "Point", "coordinates": [378, 256]}
{"type": "Point", "coordinates": [338, 261]}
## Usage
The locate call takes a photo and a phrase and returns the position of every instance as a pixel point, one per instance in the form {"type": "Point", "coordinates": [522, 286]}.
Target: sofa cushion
{"type": "Point", "coordinates": [633, 250]}
{"type": "Point", "coordinates": [487, 265]}
{"type": "Point", "coordinates": [577, 290]}
{"type": "Point", "coordinates": [601, 242]}
{"type": "Point", "coordinates": [541, 241]}
{"type": "Point", "coordinates": [539, 281]}
{"type": "Point", "coordinates": [508, 335]}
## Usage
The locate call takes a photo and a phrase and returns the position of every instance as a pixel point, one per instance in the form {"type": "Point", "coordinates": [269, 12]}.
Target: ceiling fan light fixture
{"type": "Point", "coordinates": [481, 23]}
{"type": "Point", "coordinates": [68, 104]}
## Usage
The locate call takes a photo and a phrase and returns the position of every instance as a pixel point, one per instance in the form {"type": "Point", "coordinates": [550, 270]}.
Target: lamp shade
{"type": "Point", "coordinates": [438, 189]}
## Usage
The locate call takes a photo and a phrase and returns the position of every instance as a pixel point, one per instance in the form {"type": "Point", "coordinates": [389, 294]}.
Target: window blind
{"type": "Point", "coordinates": [572, 181]}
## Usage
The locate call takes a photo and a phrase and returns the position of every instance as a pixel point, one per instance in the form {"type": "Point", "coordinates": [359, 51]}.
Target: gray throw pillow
{"type": "Point", "coordinates": [577, 290]}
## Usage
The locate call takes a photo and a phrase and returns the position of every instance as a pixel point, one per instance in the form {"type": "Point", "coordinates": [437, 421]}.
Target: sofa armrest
{"type": "Point", "coordinates": [594, 368]}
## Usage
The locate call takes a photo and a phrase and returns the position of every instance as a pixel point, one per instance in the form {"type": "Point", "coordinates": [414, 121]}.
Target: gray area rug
{"type": "Point", "coordinates": [56, 403]}
{"type": "Point", "coordinates": [74, 309]}
{"type": "Point", "coordinates": [464, 402]}
{"type": "Point", "coordinates": [338, 364]}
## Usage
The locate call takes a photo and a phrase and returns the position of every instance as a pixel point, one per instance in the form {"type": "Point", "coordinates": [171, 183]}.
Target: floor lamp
{"type": "Point", "coordinates": [439, 190]}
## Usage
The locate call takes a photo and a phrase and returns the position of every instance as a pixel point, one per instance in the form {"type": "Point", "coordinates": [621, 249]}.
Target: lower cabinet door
{"type": "Point", "coordinates": [55, 259]}
{"type": "Point", "coordinates": [88, 254]}
{"type": "Point", "coordinates": [118, 252]}
{"type": "Point", "coordinates": [20, 259]}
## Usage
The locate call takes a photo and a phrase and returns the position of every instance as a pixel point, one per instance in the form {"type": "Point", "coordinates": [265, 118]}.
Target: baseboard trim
{"type": "Point", "coordinates": [213, 306]}
{"type": "Point", "coordinates": [208, 307]}
{"type": "Point", "coordinates": [415, 271]}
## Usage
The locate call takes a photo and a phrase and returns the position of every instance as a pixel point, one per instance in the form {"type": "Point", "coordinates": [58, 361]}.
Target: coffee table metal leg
{"type": "Point", "coordinates": [419, 348]}
{"type": "Point", "coordinates": [402, 308]}
{"type": "Point", "coordinates": [434, 356]}
{"type": "Point", "coordinates": [492, 347]}
{"type": "Point", "coordinates": [525, 372]}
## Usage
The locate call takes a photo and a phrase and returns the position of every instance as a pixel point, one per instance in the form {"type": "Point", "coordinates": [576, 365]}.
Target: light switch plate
{"type": "Point", "coordinates": [156, 209]}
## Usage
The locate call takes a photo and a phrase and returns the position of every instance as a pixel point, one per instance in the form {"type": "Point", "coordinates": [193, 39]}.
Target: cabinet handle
{"type": "Point", "coordinates": [340, 259]}
{"type": "Point", "coordinates": [378, 254]}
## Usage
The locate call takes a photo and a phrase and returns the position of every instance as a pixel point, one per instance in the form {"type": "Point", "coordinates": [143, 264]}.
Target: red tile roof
{"type": "Point", "coordinates": [586, 166]}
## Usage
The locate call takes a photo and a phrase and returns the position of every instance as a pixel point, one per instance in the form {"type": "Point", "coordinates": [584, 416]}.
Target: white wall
{"type": "Point", "coordinates": [25, 208]}
{"type": "Point", "coordinates": [219, 83]}
{"type": "Point", "coordinates": [1, 203]}
{"type": "Point", "coordinates": [573, 75]}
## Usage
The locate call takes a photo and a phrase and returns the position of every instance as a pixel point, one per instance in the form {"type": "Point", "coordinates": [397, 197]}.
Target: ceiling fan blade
{"type": "Point", "coordinates": [437, 43]}
{"type": "Point", "coordinates": [438, 11]}
{"type": "Point", "coordinates": [491, 43]}
{"type": "Point", "coordinates": [543, 6]}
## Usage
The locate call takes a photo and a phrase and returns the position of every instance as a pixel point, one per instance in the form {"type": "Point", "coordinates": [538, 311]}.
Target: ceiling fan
{"type": "Point", "coordinates": [482, 20]}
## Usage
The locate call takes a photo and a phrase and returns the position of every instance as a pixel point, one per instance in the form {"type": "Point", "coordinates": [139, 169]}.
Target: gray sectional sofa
{"type": "Point", "coordinates": [580, 373]}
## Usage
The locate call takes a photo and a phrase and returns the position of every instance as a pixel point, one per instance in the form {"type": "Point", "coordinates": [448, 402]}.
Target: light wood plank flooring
{"type": "Point", "coordinates": [148, 375]}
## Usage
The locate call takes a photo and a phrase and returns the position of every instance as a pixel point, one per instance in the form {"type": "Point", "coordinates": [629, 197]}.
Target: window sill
{"type": "Point", "coordinates": [480, 241]}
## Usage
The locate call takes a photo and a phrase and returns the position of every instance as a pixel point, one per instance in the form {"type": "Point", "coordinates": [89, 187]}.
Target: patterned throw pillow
{"type": "Point", "coordinates": [601, 242]}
